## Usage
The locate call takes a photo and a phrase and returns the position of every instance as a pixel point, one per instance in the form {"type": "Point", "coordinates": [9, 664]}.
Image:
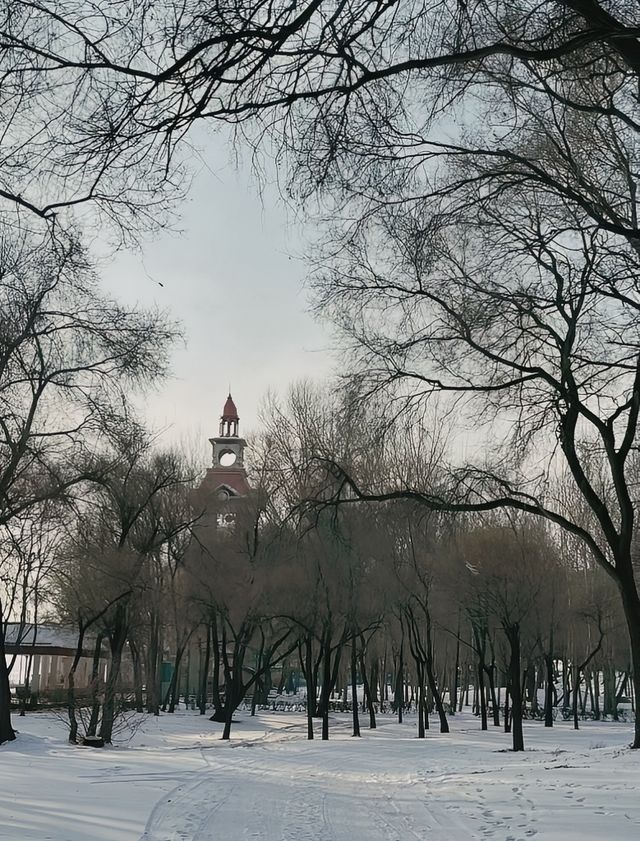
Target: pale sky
{"type": "Point", "coordinates": [235, 281]}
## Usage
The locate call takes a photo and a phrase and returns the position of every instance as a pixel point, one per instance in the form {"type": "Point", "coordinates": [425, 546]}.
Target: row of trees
{"type": "Point", "coordinates": [374, 594]}
{"type": "Point", "coordinates": [390, 568]}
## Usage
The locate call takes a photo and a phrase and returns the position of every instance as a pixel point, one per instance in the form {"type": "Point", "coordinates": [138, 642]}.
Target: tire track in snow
{"type": "Point", "coordinates": [178, 816]}
{"type": "Point", "coordinates": [263, 795]}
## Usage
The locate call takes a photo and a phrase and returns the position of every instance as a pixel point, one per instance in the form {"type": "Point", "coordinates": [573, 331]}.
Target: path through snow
{"type": "Point", "coordinates": [178, 782]}
{"type": "Point", "coordinates": [267, 795]}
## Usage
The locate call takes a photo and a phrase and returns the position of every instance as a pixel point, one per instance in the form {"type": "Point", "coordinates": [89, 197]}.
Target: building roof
{"type": "Point", "coordinates": [44, 639]}
{"type": "Point", "coordinates": [233, 478]}
{"type": "Point", "coordinates": [230, 413]}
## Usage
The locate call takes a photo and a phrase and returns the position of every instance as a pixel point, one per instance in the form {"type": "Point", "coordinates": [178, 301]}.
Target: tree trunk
{"type": "Point", "coordinates": [215, 681]}
{"type": "Point", "coordinates": [482, 700]}
{"type": "Point", "coordinates": [513, 635]}
{"type": "Point", "coordinates": [228, 688]}
{"type": "Point", "coordinates": [495, 707]}
{"type": "Point", "coordinates": [531, 687]}
{"type": "Point", "coordinates": [421, 700]}
{"type": "Point", "coordinates": [609, 688]}
{"type": "Point", "coordinates": [373, 681]}
{"type": "Point", "coordinates": [631, 604]}
{"type": "Point", "coordinates": [71, 693]}
{"type": "Point", "coordinates": [137, 676]}
{"type": "Point", "coordinates": [95, 683]}
{"type": "Point", "coordinates": [310, 676]}
{"type": "Point", "coordinates": [186, 689]}
{"type": "Point", "coordinates": [367, 684]}
{"type": "Point", "coordinates": [154, 666]}
{"type": "Point", "coordinates": [464, 688]}
{"type": "Point", "coordinates": [589, 691]}
{"type": "Point", "coordinates": [566, 692]}
{"type": "Point", "coordinates": [435, 692]}
{"type": "Point", "coordinates": [204, 675]}
{"type": "Point", "coordinates": [354, 688]}
{"type": "Point", "coordinates": [624, 679]}
{"type": "Point", "coordinates": [257, 689]}
{"type": "Point", "coordinates": [507, 709]}
{"type": "Point", "coordinates": [480, 643]}
{"type": "Point", "coordinates": [117, 643]}
{"type": "Point", "coordinates": [233, 686]}
{"type": "Point", "coordinates": [263, 684]}
{"type": "Point", "coordinates": [326, 690]}
{"type": "Point", "coordinates": [228, 720]}
{"type": "Point", "coordinates": [71, 705]}
{"type": "Point", "coordinates": [453, 695]}
{"type": "Point", "coordinates": [549, 688]}
{"type": "Point", "coordinates": [7, 733]}
{"type": "Point", "coordinates": [398, 695]}
{"type": "Point", "coordinates": [437, 699]}
{"type": "Point", "coordinates": [330, 671]}
{"type": "Point", "coordinates": [173, 690]}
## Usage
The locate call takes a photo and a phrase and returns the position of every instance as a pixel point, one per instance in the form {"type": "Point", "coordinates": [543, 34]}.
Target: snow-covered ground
{"type": "Point", "coordinates": [176, 781]}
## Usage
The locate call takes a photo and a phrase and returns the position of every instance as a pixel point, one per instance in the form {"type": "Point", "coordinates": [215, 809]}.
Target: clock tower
{"type": "Point", "coordinates": [226, 479]}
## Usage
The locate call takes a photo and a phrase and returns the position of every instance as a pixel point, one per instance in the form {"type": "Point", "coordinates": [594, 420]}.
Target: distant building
{"type": "Point", "coordinates": [44, 654]}
{"type": "Point", "coordinates": [226, 480]}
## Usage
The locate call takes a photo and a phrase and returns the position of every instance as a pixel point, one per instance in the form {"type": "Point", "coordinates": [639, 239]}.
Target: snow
{"type": "Point", "coordinates": [176, 781]}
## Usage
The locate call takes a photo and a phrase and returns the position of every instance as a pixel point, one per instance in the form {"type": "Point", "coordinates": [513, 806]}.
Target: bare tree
{"type": "Point", "coordinates": [135, 517]}
{"type": "Point", "coordinates": [528, 312]}
{"type": "Point", "coordinates": [28, 544]}
{"type": "Point", "coordinates": [237, 574]}
{"type": "Point", "coordinates": [110, 97]}
{"type": "Point", "coordinates": [66, 353]}
{"type": "Point", "coordinates": [507, 568]}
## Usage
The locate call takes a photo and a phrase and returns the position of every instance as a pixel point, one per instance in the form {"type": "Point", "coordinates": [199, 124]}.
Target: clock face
{"type": "Point", "coordinates": [222, 494]}
{"type": "Point", "coordinates": [227, 458]}
{"type": "Point", "coordinates": [225, 521]}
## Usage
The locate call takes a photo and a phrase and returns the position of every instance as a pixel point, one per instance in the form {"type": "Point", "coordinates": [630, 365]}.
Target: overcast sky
{"type": "Point", "coordinates": [234, 280]}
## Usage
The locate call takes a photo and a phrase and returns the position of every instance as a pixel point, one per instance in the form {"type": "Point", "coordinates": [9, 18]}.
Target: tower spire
{"type": "Point", "coordinates": [230, 419]}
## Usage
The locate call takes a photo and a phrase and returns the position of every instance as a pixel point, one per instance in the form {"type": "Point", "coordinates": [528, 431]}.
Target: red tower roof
{"type": "Point", "coordinates": [230, 413]}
